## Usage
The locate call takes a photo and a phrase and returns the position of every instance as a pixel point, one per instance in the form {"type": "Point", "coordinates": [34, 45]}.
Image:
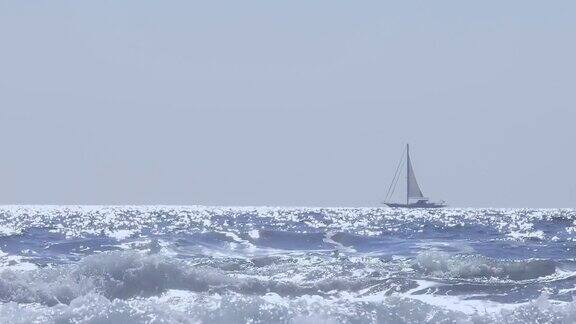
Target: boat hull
{"type": "Point", "coordinates": [416, 205]}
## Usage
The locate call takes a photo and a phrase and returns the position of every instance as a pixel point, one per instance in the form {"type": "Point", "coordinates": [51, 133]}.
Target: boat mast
{"type": "Point", "coordinates": [407, 174]}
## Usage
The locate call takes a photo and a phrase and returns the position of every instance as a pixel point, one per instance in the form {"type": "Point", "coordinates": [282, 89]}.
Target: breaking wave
{"type": "Point", "coordinates": [132, 287]}
{"type": "Point", "coordinates": [479, 267]}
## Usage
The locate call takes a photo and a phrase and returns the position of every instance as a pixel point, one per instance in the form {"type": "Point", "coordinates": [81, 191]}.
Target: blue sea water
{"type": "Point", "coordinates": [162, 264]}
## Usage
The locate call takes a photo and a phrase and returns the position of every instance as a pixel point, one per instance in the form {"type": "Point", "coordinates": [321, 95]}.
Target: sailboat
{"type": "Point", "coordinates": [414, 196]}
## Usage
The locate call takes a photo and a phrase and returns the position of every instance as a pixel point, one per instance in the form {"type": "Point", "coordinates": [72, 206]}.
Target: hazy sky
{"type": "Point", "coordinates": [287, 102]}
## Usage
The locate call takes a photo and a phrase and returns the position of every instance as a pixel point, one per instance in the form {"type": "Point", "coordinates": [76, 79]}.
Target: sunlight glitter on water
{"type": "Point", "coordinates": [163, 264]}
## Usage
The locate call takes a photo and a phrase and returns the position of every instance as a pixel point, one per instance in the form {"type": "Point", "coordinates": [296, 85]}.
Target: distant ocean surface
{"type": "Point", "coordinates": [286, 265]}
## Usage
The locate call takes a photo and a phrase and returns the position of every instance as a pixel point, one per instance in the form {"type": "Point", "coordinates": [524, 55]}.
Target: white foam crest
{"type": "Point", "coordinates": [14, 262]}
{"type": "Point", "coordinates": [191, 307]}
{"type": "Point", "coordinates": [129, 274]}
{"type": "Point", "coordinates": [476, 267]}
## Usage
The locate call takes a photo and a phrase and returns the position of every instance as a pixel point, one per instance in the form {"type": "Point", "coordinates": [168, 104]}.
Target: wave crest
{"type": "Point", "coordinates": [478, 267]}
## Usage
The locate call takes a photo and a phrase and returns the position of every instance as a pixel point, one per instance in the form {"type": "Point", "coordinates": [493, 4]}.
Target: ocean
{"type": "Point", "coordinates": [165, 264]}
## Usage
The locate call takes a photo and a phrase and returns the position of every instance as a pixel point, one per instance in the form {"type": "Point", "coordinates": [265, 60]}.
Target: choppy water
{"type": "Point", "coordinates": [286, 265]}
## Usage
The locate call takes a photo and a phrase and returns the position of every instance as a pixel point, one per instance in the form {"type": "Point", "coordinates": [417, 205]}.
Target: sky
{"type": "Point", "coordinates": [287, 103]}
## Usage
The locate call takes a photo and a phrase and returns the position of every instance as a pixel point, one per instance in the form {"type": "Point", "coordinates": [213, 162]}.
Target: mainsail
{"type": "Point", "coordinates": [413, 188]}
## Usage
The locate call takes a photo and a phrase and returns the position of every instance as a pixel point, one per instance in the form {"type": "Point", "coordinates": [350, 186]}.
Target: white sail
{"type": "Point", "coordinates": [411, 196]}
{"type": "Point", "coordinates": [413, 188]}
